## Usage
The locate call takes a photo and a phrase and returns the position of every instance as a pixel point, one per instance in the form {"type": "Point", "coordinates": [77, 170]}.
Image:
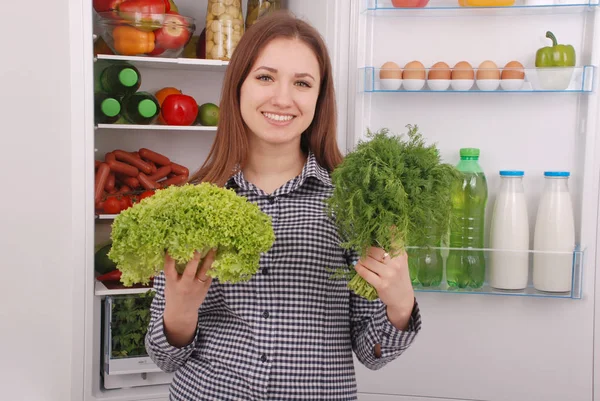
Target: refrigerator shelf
{"type": "Point", "coordinates": [576, 260]}
{"type": "Point", "coordinates": [385, 8]}
{"type": "Point", "coordinates": [134, 127]}
{"type": "Point", "coordinates": [549, 80]}
{"type": "Point", "coordinates": [169, 63]}
{"type": "Point", "coordinates": [102, 290]}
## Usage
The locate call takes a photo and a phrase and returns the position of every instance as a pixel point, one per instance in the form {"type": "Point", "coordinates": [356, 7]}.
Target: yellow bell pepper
{"type": "Point", "coordinates": [129, 41]}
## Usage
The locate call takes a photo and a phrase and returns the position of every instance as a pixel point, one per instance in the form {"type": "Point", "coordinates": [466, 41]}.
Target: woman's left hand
{"type": "Point", "coordinates": [391, 279]}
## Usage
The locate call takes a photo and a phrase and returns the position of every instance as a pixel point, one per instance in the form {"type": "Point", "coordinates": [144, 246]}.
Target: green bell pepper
{"type": "Point", "coordinates": [555, 55]}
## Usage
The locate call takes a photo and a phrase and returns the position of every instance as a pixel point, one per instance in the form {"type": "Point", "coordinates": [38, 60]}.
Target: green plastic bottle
{"type": "Point", "coordinates": [141, 108]}
{"type": "Point", "coordinates": [107, 109]}
{"type": "Point", "coordinates": [120, 79]}
{"type": "Point", "coordinates": [430, 264]}
{"type": "Point", "coordinates": [465, 267]}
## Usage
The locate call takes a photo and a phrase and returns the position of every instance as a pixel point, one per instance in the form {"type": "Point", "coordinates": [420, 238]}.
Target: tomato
{"type": "Point", "coordinates": [146, 194]}
{"type": "Point", "coordinates": [179, 110]}
{"type": "Point", "coordinates": [125, 202]}
{"type": "Point", "coordinates": [112, 205]}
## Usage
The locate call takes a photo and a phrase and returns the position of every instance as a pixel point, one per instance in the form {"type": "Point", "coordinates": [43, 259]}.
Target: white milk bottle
{"type": "Point", "coordinates": [554, 232]}
{"type": "Point", "coordinates": [509, 234]}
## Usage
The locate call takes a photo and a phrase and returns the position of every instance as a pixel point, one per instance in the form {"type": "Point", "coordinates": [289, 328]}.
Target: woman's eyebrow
{"type": "Point", "coordinates": [274, 71]}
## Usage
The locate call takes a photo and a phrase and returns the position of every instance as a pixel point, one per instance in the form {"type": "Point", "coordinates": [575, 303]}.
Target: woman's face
{"type": "Point", "coordinates": [279, 96]}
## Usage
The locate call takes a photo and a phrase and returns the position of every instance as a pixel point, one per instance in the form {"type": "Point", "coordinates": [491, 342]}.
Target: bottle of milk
{"type": "Point", "coordinates": [554, 231]}
{"type": "Point", "coordinates": [509, 233]}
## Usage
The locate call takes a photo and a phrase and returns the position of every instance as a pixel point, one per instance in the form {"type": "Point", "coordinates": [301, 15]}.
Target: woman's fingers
{"type": "Point", "coordinates": [170, 271]}
{"type": "Point", "coordinates": [367, 274]}
{"type": "Point", "coordinates": [192, 267]}
{"type": "Point", "coordinates": [206, 265]}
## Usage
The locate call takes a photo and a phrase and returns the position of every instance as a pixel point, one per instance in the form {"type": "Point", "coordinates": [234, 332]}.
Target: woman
{"type": "Point", "coordinates": [289, 332]}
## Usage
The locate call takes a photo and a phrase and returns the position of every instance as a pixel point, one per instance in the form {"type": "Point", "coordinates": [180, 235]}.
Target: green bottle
{"type": "Point", "coordinates": [465, 267]}
{"type": "Point", "coordinates": [107, 109]}
{"type": "Point", "coordinates": [120, 79]}
{"type": "Point", "coordinates": [430, 264]}
{"type": "Point", "coordinates": [140, 108]}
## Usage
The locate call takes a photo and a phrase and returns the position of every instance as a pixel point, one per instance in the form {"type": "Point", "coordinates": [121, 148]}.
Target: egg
{"type": "Point", "coordinates": [463, 70]}
{"type": "Point", "coordinates": [439, 70]}
{"type": "Point", "coordinates": [488, 70]}
{"type": "Point", "coordinates": [414, 70]}
{"type": "Point", "coordinates": [513, 70]}
{"type": "Point", "coordinates": [390, 70]}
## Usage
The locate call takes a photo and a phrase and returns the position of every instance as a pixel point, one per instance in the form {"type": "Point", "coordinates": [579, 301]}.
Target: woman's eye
{"type": "Point", "coordinates": [264, 78]}
{"type": "Point", "coordinates": [303, 83]}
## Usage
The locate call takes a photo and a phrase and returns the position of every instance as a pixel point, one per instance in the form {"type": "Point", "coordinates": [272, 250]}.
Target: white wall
{"type": "Point", "coordinates": [36, 306]}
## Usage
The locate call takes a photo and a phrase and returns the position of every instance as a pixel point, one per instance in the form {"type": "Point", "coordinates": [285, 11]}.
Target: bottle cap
{"type": "Point", "coordinates": [512, 173]}
{"type": "Point", "coordinates": [110, 107]}
{"type": "Point", "coordinates": [128, 77]}
{"type": "Point", "coordinates": [147, 108]}
{"type": "Point", "coordinates": [469, 153]}
{"type": "Point", "coordinates": [556, 173]}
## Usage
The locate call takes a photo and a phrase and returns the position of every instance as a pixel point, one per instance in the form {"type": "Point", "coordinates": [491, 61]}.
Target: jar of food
{"type": "Point", "coordinates": [259, 8]}
{"type": "Point", "coordinates": [224, 28]}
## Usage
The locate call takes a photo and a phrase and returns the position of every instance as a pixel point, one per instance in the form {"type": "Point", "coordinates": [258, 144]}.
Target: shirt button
{"type": "Point", "coordinates": [271, 199]}
{"type": "Point", "coordinates": [266, 314]}
{"type": "Point", "coordinates": [263, 357]}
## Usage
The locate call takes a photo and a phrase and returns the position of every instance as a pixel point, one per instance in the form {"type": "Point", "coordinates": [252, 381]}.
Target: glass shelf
{"type": "Point", "coordinates": [573, 259]}
{"type": "Point", "coordinates": [559, 80]}
{"type": "Point", "coordinates": [385, 8]}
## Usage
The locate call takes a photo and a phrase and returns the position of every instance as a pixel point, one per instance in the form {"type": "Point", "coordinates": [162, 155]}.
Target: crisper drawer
{"type": "Point", "coordinates": [125, 360]}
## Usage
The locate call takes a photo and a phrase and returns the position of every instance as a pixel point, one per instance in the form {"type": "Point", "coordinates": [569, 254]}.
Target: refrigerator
{"type": "Point", "coordinates": [476, 344]}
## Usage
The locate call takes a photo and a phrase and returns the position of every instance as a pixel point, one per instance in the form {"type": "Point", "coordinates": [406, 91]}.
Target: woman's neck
{"type": "Point", "coordinates": [270, 167]}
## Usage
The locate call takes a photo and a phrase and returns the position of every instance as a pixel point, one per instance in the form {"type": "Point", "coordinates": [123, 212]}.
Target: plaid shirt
{"type": "Point", "coordinates": [288, 333]}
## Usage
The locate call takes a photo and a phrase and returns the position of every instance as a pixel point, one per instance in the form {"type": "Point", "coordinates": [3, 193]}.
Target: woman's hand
{"type": "Point", "coordinates": [183, 296]}
{"type": "Point", "coordinates": [391, 279]}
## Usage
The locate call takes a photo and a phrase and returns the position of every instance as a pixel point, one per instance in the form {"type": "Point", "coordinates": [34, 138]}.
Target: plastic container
{"type": "Point", "coordinates": [554, 232]}
{"type": "Point", "coordinates": [429, 263]}
{"type": "Point", "coordinates": [256, 9]}
{"type": "Point", "coordinates": [107, 109]}
{"type": "Point", "coordinates": [224, 28]}
{"type": "Point", "coordinates": [151, 35]}
{"type": "Point", "coordinates": [119, 79]}
{"type": "Point", "coordinates": [509, 233]}
{"type": "Point", "coordinates": [141, 108]}
{"type": "Point", "coordinates": [466, 267]}
{"type": "Point", "coordinates": [486, 3]}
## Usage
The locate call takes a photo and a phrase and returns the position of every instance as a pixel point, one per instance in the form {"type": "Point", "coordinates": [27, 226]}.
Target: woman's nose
{"type": "Point", "coordinates": [282, 96]}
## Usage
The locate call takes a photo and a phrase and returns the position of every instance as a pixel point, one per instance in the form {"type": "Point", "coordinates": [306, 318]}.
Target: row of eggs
{"type": "Point", "coordinates": [440, 76]}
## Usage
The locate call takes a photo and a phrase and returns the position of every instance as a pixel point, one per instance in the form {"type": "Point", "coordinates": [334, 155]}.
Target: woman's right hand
{"type": "Point", "coordinates": [183, 296]}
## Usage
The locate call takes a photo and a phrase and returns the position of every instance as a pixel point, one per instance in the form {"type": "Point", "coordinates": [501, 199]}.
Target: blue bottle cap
{"type": "Point", "coordinates": [512, 173]}
{"type": "Point", "coordinates": [556, 173]}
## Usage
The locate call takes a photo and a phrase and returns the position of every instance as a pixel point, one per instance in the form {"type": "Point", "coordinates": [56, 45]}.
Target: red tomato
{"type": "Point", "coordinates": [125, 202]}
{"type": "Point", "coordinates": [146, 194]}
{"type": "Point", "coordinates": [179, 110]}
{"type": "Point", "coordinates": [112, 205]}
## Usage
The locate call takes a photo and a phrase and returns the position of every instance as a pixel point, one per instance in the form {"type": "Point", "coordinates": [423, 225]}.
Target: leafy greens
{"type": "Point", "coordinates": [182, 219]}
{"type": "Point", "coordinates": [388, 193]}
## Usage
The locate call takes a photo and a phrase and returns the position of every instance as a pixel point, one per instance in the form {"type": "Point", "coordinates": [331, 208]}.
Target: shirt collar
{"type": "Point", "coordinates": [311, 169]}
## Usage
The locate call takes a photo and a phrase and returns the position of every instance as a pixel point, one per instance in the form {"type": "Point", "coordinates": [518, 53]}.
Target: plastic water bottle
{"type": "Point", "coordinates": [120, 79]}
{"type": "Point", "coordinates": [466, 267]}
{"type": "Point", "coordinates": [430, 264]}
{"type": "Point", "coordinates": [509, 233]}
{"type": "Point", "coordinates": [554, 232]}
{"type": "Point", "coordinates": [141, 108]}
{"type": "Point", "coordinates": [107, 109]}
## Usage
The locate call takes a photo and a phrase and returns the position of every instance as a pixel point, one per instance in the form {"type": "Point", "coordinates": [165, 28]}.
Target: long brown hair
{"type": "Point", "coordinates": [229, 150]}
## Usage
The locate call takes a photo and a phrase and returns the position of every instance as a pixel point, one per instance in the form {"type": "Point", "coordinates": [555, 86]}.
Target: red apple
{"type": "Point", "coordinates": [174, 33]}
{"type": "Point", "coordinates": [106, 5]}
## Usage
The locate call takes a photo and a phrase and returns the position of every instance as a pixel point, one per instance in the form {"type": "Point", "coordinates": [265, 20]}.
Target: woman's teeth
{"type": "Point", "coordinates": [277, 117]}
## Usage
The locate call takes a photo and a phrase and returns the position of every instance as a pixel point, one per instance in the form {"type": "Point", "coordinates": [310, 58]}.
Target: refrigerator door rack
{"type": "Point", "coordinates": [559, 80]}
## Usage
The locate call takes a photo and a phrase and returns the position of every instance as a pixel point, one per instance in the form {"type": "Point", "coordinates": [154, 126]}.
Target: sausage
{"type": "Point", "coordinates": [147, 182]}
{"type": "Point", "coordinates": [110, 183]}
{"type": "Point", "coordinates": [155, 157]}
{"type": "Point", "coordinates": [101, 178]}
{"type": "Point", "coordinates": [124, 189]}
{"type": "Point", "coordinates": [97, 164]}
{"type": "Point", "coordinates": [113, 191]}
{"type": "Point", "coordinates": [177, 180]}
{"type": "Point", "coordinates": [153, 165]}
{"type": "Point", "coordinates": [160, 173]}
{"type": "Point", "coordinates": [124, 168]}
{"type": "Point", "coordinates": [129, 181]}
{"type": "Point", "coordinates": [179, 169]}
{"type": "Point", "coordinates": [109, 157]}
{"type": "Point", "coordinates": [128, 158]}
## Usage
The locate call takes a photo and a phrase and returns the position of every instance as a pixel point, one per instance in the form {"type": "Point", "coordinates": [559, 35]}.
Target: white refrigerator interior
{"type": "Point", "coordinates": [474, 346]}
